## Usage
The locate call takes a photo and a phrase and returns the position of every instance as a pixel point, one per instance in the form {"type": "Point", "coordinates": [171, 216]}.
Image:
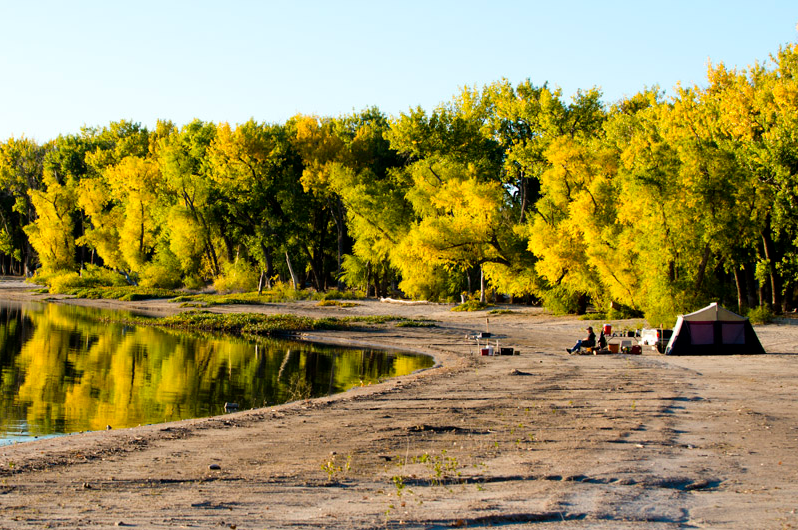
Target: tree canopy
{"type": "Point", "coordinates": [657, 204]}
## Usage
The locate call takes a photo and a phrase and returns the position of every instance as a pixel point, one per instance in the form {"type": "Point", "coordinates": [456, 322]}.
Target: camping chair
{"type": "Point", "coordinates": [587, 350]}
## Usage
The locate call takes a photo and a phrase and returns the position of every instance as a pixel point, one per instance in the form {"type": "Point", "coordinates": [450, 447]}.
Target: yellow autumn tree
{"type": "Point", "coordinates": [125, 234]}
{"type": "Point", "coordinates": [51, 233]}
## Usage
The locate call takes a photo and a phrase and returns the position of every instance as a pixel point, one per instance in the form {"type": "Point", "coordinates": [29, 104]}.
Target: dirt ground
{"type": "Point", "coordinates": [541, 439]}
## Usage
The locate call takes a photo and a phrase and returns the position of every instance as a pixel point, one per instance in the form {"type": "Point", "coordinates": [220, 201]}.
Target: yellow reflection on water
{"type": "Point", "coordinates": [63, 370]}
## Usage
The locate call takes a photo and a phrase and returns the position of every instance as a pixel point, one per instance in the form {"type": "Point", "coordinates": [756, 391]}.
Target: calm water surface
{"type": "Point", "coordinates": [63, 371]}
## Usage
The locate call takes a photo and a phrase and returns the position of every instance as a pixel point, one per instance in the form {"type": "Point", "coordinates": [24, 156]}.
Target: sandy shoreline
{"type": "Point", "coordinates": [559, 441]}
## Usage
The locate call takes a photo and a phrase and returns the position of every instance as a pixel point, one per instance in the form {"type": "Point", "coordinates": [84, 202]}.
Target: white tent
{"type": "Point", "coordinates": [713, 330]}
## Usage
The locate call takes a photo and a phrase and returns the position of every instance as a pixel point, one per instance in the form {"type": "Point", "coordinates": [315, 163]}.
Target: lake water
{"type": "Point", "coordinates": [62, 370]}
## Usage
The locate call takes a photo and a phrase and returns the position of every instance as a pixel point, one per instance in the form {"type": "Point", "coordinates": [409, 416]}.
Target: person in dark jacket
{"type": "Point", "coordinates": [587, 342]}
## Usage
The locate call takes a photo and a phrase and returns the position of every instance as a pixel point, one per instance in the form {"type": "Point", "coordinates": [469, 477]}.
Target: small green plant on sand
{"type": "Point", "coordinates": [333, 469]}
{"type": "Point", "coordinates": [399, 484]}
{"type": "Point", "coordinates": [442, 468]}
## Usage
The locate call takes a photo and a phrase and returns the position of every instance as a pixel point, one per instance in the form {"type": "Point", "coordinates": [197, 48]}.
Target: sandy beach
{"type": "Point", "coordinates": [542, 439]}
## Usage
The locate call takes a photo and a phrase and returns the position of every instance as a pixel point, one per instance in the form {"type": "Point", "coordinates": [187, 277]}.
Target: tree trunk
{"type": "Point", "coordinates": [269, 267]}
{"type": "Point", "coordinates": [294, 280]}
{"type": "Point", "coordinates": [368, 280]}
{"type": "Point", "coordinates": [229, 247]}
{"type": "Point", "coordinates": [775, 281]}
{"type": "Point", "coordinates": [385, 281]}
{"type": "Point", "coordinates": [340, 225]}
{"type": "Point", "coordinates": [377, 288]}
{"type": "Point", "coordinates": [481, 285]}
{"type": "Point", "coordinates": [260, 282]}
{"type": "Point", "coordinates": [314, 270]}
{"type": "Point", "coordinates": [524, 190]}
{"type": "Point", "coordinates": [267, 273]}
{"type": "Point", "coordinates": [581, 304]}
{"type": "Point", "coordinates": [751, 290]}
{"type": "Point", "coordinates": [702, 268]}
{"type": "Point", "coordinates": [738, 281]}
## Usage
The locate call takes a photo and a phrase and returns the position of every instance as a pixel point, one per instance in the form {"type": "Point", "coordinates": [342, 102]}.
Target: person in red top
{"type": "Point", "coordinates": [587, 342]}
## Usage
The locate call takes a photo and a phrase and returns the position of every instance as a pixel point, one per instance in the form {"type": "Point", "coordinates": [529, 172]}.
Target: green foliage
{"type": "Point", "coordinates": [559, 300]}
{"type": "Point", "coordinates": [354, 272]}
{"type": "Point", "coordinates": [760, 315]}
{"type": "Point", "coordinates": [67, 282]}
{"type": "Point", "coordinates": [163, 271]}
{"type": "Point", "coordinates": [284, 292]}
{"type": "Point", "coordinates": [238, 276]}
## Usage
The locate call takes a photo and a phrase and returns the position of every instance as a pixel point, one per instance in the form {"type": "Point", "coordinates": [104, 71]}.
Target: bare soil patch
{"type": "Point", "coordinates": [613, 441]}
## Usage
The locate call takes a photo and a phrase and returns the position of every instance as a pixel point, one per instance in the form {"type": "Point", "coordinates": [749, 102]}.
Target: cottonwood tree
{"type": "Point", "coordinates": [193, 223]}
{"type": "Point", "coordinates": [256, 171]}
{"type": "Point", "coordinates": [21, 166]}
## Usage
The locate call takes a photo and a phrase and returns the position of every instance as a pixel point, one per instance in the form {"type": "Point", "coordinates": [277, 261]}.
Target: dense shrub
{"type": "Point", "coordinates": [760, 315]}
{"type": "Point", "coordinates": [65, 282]}
{"type": "Point", "coordinates": [238, 277]}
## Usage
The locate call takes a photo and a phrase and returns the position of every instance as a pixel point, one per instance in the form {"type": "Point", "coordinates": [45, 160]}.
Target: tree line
{"type": "Point", "coordinates": [657, 204]}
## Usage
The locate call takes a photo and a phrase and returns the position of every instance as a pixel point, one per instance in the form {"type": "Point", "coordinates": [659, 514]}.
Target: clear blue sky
{"type": "Point", "coordinates": [69, 64]}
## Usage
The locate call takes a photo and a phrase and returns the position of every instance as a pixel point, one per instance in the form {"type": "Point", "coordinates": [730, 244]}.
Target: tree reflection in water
{"type": "Point", "coordinates": [63, 370]}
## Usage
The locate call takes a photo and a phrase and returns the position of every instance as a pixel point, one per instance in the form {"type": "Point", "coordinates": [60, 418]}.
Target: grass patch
{"type": "Point", "coordinates": [593, 316]}
{"type": "Point", "coordinates": [416, 323]}
{"type": "Point", "coordinates": [335, 303]}
{"type": "Point", "coordinates": [471, 305]}
{"type": "Point", "coordinates": [126, 293]}
{"type": "Point", "coordinates": [210, 300]}
{"type": "Point", "coordinates": [254, 323]}
{"type": "Point", "coordinates": [280, 293]}
{"type": "Point", "coordinates": [338, 295]}
{"type": "Point", "coordinates": [501, 312]}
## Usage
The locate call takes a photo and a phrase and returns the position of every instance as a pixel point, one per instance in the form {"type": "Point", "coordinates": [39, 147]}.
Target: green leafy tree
{"type": "Point", "coordinates": [21, 167]}
{"type": "Point", "coordinates": [454, 167]}
{"type": "Point", "coordinates": [257, 173]}
{"type": "Point", "coordinates": [348, 164]}
{"type": "Point", "coordinates": [193, 219]}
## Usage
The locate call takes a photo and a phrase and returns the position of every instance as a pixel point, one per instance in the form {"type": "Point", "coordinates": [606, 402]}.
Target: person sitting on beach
{"type": "Point", "coordinates": [587, 342]}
